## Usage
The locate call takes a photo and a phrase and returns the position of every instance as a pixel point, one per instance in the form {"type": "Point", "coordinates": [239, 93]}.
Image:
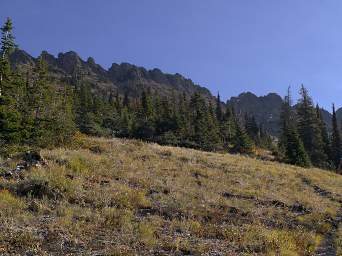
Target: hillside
{"type": "Point", "coordinates": [126, 197]}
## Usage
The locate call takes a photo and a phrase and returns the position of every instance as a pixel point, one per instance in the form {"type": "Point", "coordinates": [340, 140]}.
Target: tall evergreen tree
{"type": "Point", "coordinates": [10, 117]}
{"type": "Point", "coordinates": [324, 134]}
{"type": "Point", "coordinates": [219, 112]}
{"type": "Point", "coordinates": [242, 142]}
{"type": "Point", "coordinates": [290, 142]}
{"type": "Point", "coordinates": [7, 46]}
{"type": "Point", "coordinates": [336, 146]}
{"type": "Point", "coordinates": [308, 128]}
{"type": "Point", "coordinates": [251, 127]}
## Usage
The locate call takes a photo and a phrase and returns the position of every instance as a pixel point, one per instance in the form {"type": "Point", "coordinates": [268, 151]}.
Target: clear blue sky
{"type": "Point", "coordinates": [229, 46]}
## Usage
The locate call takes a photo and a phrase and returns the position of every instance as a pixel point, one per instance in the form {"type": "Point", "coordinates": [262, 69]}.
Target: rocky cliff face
{"type": "Point", "coordinates": [123, 77]}
{"type": "Point", "coordinates": [266, 109]}
{"type": "Point", "coordinates": [132, 79]}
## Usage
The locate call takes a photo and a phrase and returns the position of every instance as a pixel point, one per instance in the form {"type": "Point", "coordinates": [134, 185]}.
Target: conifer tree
{"type": "Point", "coordinates": [324, 134]}
{"type": "Point", "coordinates": [251, 127]}
{"type": "Point", "coordinates": [228, 128]}
{"type": "Point", "coordinates": [290, 142]}
{"type": "Point", "coordinates": [10, 117]}
{"type": "Point", "coordinates": [336, 146]}
{"type": "Point", "coordinates": [145, 125]}
{"type": "Point", "coordinates": [308, 129]}
{"type": "Point", "coordinates": [242, 142]}
{"type": "Point", "coordinates": [219, 112]}
{"type": "Point", "coordinates": [7, 46]}
{"type": "Point", "coordinates": [213, 140]}
{"type": "Point", "coordinates": [198, 117]}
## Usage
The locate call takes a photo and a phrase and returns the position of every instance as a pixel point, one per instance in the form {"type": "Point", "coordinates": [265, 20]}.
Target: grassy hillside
{"type": "Point", "coordinates": [124, 197]}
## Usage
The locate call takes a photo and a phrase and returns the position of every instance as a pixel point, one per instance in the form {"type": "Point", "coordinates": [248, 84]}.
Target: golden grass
{"type": "Point", "coordinates": [126, 197]}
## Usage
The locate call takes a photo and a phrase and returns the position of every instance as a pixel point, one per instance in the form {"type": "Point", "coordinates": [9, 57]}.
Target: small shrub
{"type": "Point", "coordinates": [117, 218]}
{"type": "Point", "coordinates": [146, 232]}
{"type": "Point", "coordinates": [78, 165]}
{"type": "Point", "coordinates": [9, 204]}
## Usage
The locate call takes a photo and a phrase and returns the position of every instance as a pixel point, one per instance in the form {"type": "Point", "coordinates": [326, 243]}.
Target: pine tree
{"type": "Point", "coordinates": [41, 104]}
{"type": "Point", "coordinates": [251, 127]}
{"type": "Point", "coordinates": [7, 46]}
{"type": "Point", "coordinates": [324, 134]}
{"type": "Point", "coordinates": [213, 139]}
{"type": "Point", "coordinates": [294, 149]}
{"type": "Point", "coordinates": [228, 128]}
{"type": "Point", "coordinates": [10, 117]}
{"type": "Point", "coordinates": [290, 142]}
{"type": "Point", "coordinates": [198, 110]}
{"type": "Point", "coordinates": [219, 112]}
{"type": "Point", "coordinates": [242, 142]}
{"type": "Point", "coordinates": [145, 122]}
{"type": "Point", "coordinates": [308, 129]}
{"type": "Point", "coordinates": [336, 146]}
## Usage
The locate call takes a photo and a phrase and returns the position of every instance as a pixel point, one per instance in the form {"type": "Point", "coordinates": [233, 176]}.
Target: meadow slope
{"type": "Point", "coordinates": [126, 197]}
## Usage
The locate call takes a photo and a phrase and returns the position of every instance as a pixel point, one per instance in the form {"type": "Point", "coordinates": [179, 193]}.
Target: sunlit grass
{"type": "Point", "coordinates": [126, 197]}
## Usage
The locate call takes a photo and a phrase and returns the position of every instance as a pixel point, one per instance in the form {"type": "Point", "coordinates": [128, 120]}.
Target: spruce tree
{"type": "Point", "coordinates": [308, 129]}
{"type": "Point", "coordinates": [251, 127]}
{"type": "Point", "coordinates": [290, 143]}
{"type": "Point", "coordinates": [336, 146]}
{"type": "Point", "coordinates": [242, 143]}
{"type": "Point", "coordinates": [7, 46]}
{"type": "Point", "coordinates": [10, 117]}
{"type": "Point", "coordinates": [324, 134]}
{"type": "Point", "coordinates": [218, 111]}
{"type": "Point", "coordinates": [198, 110]}
{"type": "Point", "coordinates": [213, 140]}
{"type": "Point", "coordinates": [145, 122]}
{"type": "Point", "coordinates": [228, 128]}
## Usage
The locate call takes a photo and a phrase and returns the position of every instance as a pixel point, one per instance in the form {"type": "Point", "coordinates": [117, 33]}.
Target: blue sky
{"type": "Point", "coordinates": [229, 46]}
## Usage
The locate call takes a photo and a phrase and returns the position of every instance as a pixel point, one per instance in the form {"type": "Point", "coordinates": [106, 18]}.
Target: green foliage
{"type": "Point", "coordinates": [309, 129]}
{"type": "Point", "coordinates": [242, 142]}
{"type": "Point", "coordinates": [290, 142]}
{"type": "Point", "coordinates": [336, 146]}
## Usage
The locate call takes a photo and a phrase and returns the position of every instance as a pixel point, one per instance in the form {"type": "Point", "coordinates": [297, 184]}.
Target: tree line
{"type": "Point", "coordinates": [37, 111]}
{"type": "Point", "coordinates": [305, 139]}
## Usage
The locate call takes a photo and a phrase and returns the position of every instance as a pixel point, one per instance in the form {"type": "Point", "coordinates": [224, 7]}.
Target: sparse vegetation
{"type": "Point", "coordinates": [141, 198]}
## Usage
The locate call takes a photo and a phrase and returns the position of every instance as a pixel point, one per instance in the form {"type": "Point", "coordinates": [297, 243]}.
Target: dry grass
{"type": "Point", "coordinates": [126, 197]}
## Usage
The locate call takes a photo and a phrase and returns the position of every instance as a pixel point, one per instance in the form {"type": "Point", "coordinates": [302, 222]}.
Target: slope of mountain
{"type": "Point", "coordinates": [125, 197]}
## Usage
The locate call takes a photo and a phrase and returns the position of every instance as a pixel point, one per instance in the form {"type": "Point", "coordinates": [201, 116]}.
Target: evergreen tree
{"type": "Point", "coordinates": [10, 117]}
{"type": "Point", "coordinates": [144, 128]}
{"type": "Point", "coordinates": [7, 46]}
{"type": "Point", "coordinates": [242, 142]}
{"type": "Point", "coordinates": [213, 139]}
{"type": "Point", "coordinates": [228, 128]}
{"type": "Point", "coordinates": [308, 128]}
{"type": "Point", "coordinates": [198, 110]}
{"type": "Point", "coordinates": [324, 134]}
{"type": "Point", "coordinates": [251, 127]}
{"type": "Point", "coordinates": [294, 149]}
{"type": "Point", "coordinates": [290, 142]}
{"type": "Point", "coordinates": [336, 146]}
{"type": "Point", "coordinates": [219, 112]}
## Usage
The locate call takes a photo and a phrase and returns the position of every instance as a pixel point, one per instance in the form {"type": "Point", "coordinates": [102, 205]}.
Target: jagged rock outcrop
{"type": "Point", "coordinates": [123, 77]}
{"type": "Point", "coordinates": [265, 109]}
